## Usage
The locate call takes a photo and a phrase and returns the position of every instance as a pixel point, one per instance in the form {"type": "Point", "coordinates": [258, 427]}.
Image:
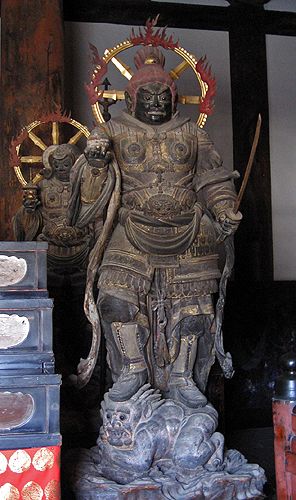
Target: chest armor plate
{"type": "Point", "coordinates": [157, 171]}
{"type": "Point", "coordinates": [164, 152]}
{"type": "Point", "coordinates": [54, 198]}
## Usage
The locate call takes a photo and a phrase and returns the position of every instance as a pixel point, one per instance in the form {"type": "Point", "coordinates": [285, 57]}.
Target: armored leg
{"type": "Point", "coordinates": [126, 337]}
{"type": "Point", "coordinates": [130, 342]}
{"type": "Point", "coordinates": [181, 385]}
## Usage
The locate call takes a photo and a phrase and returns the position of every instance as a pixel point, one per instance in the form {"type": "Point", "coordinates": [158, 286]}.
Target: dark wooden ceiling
{"type": "Point", "coordinates": [182, 15]}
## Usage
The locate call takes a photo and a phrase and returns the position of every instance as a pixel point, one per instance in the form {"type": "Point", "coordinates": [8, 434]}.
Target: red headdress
{"type": "Point", "coordinates": [149, 62]}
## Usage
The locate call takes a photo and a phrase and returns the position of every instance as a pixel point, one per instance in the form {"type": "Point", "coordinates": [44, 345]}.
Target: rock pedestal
{"type": "Point", "coordinates": [160, 449]}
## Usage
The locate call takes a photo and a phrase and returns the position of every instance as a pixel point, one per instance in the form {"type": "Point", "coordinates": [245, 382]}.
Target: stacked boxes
{"type": "Point", "coordinates": [29, 389]}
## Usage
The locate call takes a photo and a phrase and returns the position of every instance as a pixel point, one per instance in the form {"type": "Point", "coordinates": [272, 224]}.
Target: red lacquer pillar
{"type": "Point", "coordinates": [284, 421]}
{"type": "Point", "coordinates": [32, 73]}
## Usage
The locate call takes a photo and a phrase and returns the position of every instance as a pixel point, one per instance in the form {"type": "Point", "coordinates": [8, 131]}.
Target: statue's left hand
{"type": "Point", "coordinates": [229, 222]}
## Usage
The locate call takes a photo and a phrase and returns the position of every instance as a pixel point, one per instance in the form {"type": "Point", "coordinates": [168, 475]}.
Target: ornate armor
{"type": "Point", "coordinates": [165, 229]}
{"type": "Point", "coordinates": [159, 265]}
{"type": "Point", "coordinates": [163, 183]}
{"type": "Point", "coordinates": [64, 242]}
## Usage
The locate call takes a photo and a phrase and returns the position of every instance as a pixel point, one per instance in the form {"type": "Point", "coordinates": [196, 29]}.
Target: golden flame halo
{"type": "Point", "coordinates": [183, 53]}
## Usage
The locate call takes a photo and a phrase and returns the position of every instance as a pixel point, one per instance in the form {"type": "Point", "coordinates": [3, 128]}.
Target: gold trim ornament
{"type": "Point", "coordinates": [52, 490]}
{"type": "Point", "coordinates": [31, 163]}
{"type": "Point", "coordinates": [9, 492]}
{"type": "Point", "coordinates": [153, 38]}
{"type": "Point", "coordinates": [19, 461]}
{"type": "Point", "coordinates": [32, 491]}
{"type": "Point", "coordinates": [3, 463]}
{"type": "Point", "coordinates": [43, 459]}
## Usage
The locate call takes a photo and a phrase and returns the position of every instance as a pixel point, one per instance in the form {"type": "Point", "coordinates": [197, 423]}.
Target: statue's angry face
{"type": "Point", "coordinates": [30, 198]}
{"type": "Point", "coordinates": [118, 426]}
{"type": "Point", "coordinates": [62, 160]}
{"type": "Point", "coordinates": [62, 167]}
{"type": "Point", "coordinates": [154, 103]}
{"type": "Point", "coordinates": [123, 419]}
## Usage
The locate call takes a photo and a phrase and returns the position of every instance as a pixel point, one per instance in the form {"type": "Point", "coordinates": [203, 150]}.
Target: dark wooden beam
{"type": "Point", "coordinates": [279, 23]}
{"type": "Point", "coordinates": [249, 98]}
{"type": "Point", "coordinates": [32, 67]}
{"type": "Point", "coordinates": [135, 12]}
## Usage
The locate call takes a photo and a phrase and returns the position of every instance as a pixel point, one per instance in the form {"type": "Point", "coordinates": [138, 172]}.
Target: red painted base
{"type": "Point", "coordinates": [30, 473]}
{"type": "Point", "coordinates": [284, 421]}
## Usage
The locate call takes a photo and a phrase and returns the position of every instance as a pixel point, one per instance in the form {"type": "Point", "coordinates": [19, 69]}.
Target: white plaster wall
{"type": "Point", "coordinates": [283, 5]}
{"type": "Point", "coordinates": [281, 58]}
{"type": "Point", "coordinates": [213, 44]}
{"type": "Point", "coordinates": [217, 3]}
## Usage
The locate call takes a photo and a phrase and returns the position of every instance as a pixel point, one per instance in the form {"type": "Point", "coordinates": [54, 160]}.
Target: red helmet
{"type": "Point", "coordinates": [149, 62]}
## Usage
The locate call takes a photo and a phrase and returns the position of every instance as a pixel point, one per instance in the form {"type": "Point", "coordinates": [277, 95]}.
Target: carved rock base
{"type": "Point", "coordinates": [153, 448]}
{"type": "Point", "coordinates": [246, 483]}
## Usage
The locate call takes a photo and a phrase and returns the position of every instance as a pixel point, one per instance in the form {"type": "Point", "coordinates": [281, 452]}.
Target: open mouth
{"type": "Point", "coordinates": [63, 175]}
{"type": "Point", "coordinates": [156, 113]}
{"type": "Point", "coordinates": [118, 435]}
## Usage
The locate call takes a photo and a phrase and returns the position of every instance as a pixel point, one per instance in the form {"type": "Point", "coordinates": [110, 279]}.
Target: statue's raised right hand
{"type": "Point", "coordinates": [98, 153]}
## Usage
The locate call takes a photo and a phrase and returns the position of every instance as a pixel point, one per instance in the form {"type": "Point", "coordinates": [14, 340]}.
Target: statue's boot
{"type": "Point", "coordinates": [134, 371]}
{"type": "Point", "coordinates": [181, 385]}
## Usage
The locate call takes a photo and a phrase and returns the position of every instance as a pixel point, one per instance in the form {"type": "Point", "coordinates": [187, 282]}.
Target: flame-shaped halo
{"type": "Point", "coordinates": [157, 38]}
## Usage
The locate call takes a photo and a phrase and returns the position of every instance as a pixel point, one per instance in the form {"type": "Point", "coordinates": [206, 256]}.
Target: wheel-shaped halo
{"type": "Point", "coordinates": [20, 161]}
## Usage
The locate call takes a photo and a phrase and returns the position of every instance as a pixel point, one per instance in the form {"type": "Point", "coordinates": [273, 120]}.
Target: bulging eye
{"type": "Point", "coordinates": [122, 417]}
{"type": "Point", "coordinates": [108, 416]}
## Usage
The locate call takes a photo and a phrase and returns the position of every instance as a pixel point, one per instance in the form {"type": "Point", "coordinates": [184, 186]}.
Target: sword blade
{"type": "Point", "coordinates": [249, 164]}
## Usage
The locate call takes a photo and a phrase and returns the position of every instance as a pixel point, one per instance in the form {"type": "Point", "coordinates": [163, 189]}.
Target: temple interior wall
{"type": "Point", "coordinates": [281, 60]}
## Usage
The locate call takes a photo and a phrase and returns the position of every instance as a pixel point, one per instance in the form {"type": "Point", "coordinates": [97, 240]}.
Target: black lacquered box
{"type": "Point", "coordinates": [29, 411]}
{"type": "Point", "coordinates": [23, 268]}
{"type": "Point", "coordinates": [26, 336]}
